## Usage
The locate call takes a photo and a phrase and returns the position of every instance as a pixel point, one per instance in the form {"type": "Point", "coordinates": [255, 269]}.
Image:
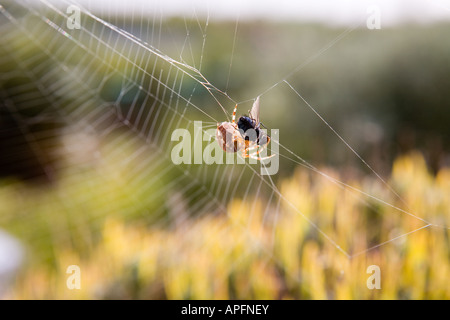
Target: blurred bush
{"type": "Point", "coordinates": [239, 257]}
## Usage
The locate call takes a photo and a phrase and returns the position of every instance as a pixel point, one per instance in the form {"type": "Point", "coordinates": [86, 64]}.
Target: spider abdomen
{"type": "Point", "coordinates": [226, 136]}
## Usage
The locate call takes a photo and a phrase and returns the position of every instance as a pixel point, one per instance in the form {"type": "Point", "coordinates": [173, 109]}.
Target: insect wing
{"type": "Point", "coordinates": [254, 113]}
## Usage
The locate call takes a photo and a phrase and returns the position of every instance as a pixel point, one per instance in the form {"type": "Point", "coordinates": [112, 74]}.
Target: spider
{"type": "Point", "coordinates": [245, 135]}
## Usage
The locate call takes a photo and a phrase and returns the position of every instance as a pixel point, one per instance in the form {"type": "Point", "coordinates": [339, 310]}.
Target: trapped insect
{"type": "Point", "coordinates": [245, 135]}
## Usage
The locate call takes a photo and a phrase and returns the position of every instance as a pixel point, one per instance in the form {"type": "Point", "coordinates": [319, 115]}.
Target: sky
{"type": "Point", "coordinates": [339, 12]}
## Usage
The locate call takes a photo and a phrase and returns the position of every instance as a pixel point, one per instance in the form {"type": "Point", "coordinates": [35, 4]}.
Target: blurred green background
{"type": "Point", "coordinates": [76, 187]}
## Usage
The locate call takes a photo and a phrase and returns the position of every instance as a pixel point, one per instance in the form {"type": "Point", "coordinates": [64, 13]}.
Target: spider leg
{"type": "Point", "coordinates": [260, 148]}
{"type": "Point", "coordinates": [247, 148]}
{"type": "Point", "coordinates": [251, 146]}
{"type": "Point", "coordinates": [253, 156]}
{"type": "Point", "coordinates": [244, 153]}
{"type": "Point", "coordinates": [234, 114]}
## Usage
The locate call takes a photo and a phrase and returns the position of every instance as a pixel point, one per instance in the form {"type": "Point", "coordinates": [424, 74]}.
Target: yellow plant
{"type": "Point", "coordinates": [238, 256]}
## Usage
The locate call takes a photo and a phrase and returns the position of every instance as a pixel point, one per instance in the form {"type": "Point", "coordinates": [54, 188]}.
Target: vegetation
{"type": "Point", "coordinates": [237, 255]}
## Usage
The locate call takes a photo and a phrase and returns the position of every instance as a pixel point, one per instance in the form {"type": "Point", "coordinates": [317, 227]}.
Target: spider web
{"type": "Point", "coordinates": [120, 92]}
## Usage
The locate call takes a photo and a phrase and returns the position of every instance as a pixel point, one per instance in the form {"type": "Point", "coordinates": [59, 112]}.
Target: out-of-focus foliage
{"type": "Point", "coordinates": [221, 257]}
